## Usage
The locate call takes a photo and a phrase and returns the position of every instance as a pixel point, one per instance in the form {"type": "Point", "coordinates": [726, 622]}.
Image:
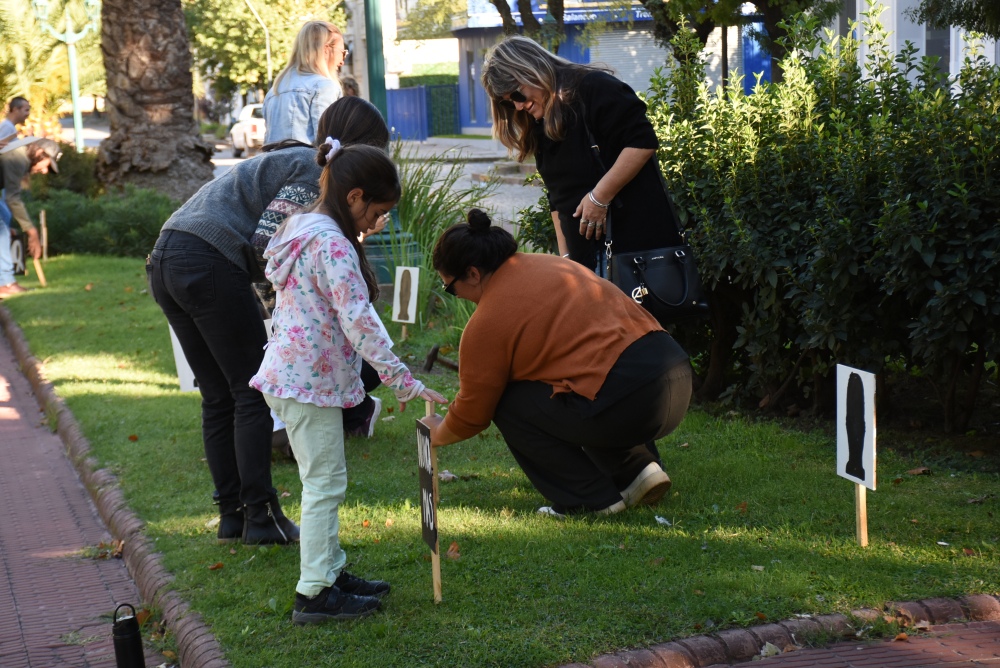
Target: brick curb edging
{"type": "Point", "coordinates": [740, 645]}
{"type": "Point", "coordinates": [197, 646]}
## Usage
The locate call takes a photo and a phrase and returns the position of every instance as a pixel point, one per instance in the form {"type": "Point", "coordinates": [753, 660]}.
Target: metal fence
{"type": "Point", "coordinates": [417, 113]}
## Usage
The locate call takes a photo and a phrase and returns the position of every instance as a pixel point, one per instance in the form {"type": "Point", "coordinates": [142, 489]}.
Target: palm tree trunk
{"type": "Point", "coordinates": [154, 141]}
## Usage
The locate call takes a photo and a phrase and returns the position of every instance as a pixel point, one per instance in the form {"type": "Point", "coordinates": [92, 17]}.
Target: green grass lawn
{"type": "Point", "coordinates": [760, 525]}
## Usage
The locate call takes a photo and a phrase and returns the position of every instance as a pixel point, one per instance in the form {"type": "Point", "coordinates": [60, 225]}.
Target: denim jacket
{"type": "Point", "coordinates": [292, 110]}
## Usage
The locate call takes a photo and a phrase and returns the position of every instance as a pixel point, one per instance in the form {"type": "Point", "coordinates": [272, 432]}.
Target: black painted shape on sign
{"type": "Point", "coordinates": [428, 512]}
{"type": "Point", "coordinates": [855, 423]}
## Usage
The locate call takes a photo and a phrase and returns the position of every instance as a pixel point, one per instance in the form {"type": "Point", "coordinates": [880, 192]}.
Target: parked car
{"type": "Point", "coordinates": [247, 133]}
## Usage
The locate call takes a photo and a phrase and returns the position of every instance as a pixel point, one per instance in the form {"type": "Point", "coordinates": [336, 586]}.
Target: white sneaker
{"type": "Point", "coordinates": [648, 487]}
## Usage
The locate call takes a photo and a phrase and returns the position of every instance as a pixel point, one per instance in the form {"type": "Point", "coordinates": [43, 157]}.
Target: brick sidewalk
{"type": "Point", "coordinates": [55, 605]}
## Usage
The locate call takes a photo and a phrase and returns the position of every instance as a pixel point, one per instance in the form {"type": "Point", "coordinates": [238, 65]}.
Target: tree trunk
{"type": "Point", "coordinates": [154, 141]}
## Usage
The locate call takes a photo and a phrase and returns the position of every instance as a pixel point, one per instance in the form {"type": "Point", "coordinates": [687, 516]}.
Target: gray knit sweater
{"type": "Point", "coordinates": [238, 212]}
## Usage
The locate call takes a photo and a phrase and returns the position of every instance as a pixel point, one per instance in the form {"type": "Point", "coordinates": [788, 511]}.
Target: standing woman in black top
{"type": "Point", "coordinates": [543, 106]}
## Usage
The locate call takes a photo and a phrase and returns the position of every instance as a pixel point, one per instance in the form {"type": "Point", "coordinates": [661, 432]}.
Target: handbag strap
{"type": "Point", "coordinates": [604, 263]}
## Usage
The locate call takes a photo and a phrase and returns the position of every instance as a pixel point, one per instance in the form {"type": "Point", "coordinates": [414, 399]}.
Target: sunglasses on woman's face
{"type": "Point", "coordinates": [515, 96]}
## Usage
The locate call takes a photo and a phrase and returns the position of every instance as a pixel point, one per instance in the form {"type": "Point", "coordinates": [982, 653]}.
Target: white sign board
{"type": "Point", "coordinates": [184, 373]}
{"type": "Point", "coordinates": [856, 425]}
{"type": "Point", "coordinates": [404, 297]}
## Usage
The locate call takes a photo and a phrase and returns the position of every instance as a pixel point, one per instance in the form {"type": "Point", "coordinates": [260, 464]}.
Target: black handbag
{"type": "Point", "coordinates": [664, 281]}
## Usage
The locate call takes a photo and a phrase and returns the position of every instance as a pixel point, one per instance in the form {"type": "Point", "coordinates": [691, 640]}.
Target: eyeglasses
{"type": "Point", "coordinates": [335, 48]}
{"type": "Point", "coordinates": [515, 96]}
{"type": "Point", "coordinates": [450, 288]}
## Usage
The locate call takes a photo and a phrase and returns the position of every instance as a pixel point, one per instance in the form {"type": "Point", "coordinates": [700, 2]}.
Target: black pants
{"type": "Point", "coordinates": [213, 311]}
{"type": "Point", "coordinates": [580, 461]}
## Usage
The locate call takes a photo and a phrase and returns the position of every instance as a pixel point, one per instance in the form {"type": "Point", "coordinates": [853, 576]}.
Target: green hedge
{"type": "Point", "coordinates": [844, 215]}
{"type": "Point", "coordinates": [428, 80]}
{"type": "Point", "coordinates": [124, 223]}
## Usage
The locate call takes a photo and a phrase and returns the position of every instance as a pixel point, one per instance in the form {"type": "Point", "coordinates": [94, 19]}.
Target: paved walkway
{"type": "Point", "coordinates": [55, 605]}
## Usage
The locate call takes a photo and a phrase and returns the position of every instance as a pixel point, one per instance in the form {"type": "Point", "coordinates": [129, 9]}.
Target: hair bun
{"type": "Point", "coordinates": [479, 221]}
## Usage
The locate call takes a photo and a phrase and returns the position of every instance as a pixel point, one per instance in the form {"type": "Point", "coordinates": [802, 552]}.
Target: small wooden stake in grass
{"type": "Point", "coordinates": [861, 514]}
{"type": "Point", "coordinates": [427, 461]}
{"type": "Point", "coordinates": [402, 336]}
{"type": "Point", "coordinates": [41, 274]}
{"type": "Point", "coordinates": [45, 234]}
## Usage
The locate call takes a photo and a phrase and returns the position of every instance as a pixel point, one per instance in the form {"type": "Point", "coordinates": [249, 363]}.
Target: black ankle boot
{"type": "Point", "coordinates": [230, 522]}
{"type": "Point", "coordinates": [261, 525]}
{"type": "Point", "coordinates": [287, 526]}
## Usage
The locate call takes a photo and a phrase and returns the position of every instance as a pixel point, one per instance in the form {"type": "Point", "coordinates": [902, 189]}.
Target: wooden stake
{"type": "Point", "coordinates": [41, 274]}
{"type": "Point", "coordinates": [402, 337]}
{"type": "Point", "coordinates": [436, 553]}
{"type": "Point", "coordinates": [45, 235]}
{"type": "Point", "coordinates": [861, 514]}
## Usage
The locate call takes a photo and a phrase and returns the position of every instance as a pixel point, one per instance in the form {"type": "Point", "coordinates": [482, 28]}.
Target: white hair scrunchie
{"type": "Point", "coordinates": [334, 147]}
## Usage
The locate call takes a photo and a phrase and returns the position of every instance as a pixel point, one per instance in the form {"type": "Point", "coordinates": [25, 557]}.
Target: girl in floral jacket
{"type": "Point", "coordinates": [323, 326]}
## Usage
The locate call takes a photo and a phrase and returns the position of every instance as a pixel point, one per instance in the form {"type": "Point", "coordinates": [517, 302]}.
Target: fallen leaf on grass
{"type": "Point", "coordinates": [769, 649]}
{"type": "Point", "coordinates": [976, 453]}
{"type": "Point", "coordinates": [920, 470]}
{"type": "Point", "coordinates": [365, 455]}
{"type": "Point", "coordinates": [285, 495]}
{"type": "Point", "coordinates": [698, 592]}
{"type": "Point", "coordinates": [142, 616]}
{"type": "Point", "coordinates": [133, 438]}
{"type": "Point", "coordinates": [968, 552]}
{"type": "Point", "coordinates": [896, 481]}
{"type": "Point", "coordinates": [761, 616]}
{"type": "Point", "coordinates": [447, 476]}
{"type": "Point", "coordinates": [902, 637]}
{"type": "Point", "coordinates": [757, 568]}
{"type": "Point", "coordinates": [388, 522]}
{"type": "Point", "coordinates": [216, 566]}
{"type": "Point", "coordinates": [366, 524]}
{"type": "Point", "coordinates": [697, 627]}
{"type": "Point", "coordinates": [663, 520]}
{"type": "Point", "coordinates": [88, 287]}
{"type": "Point", "coordinates": [232, 550]}
{"type": "Point", "coordinates": [167, 654]}
{"type": "Point", "coordinates": [942, 543]}
{"type": "Point", "coordinates": [742, 507]}
{"type": "Point", "coordinates": [657, 561]}
{"type": "Point", "coordinates": [128, 288]}
{"type": "Point", "coordinates": [389, 418]}
{"type": "Point", "coordinates": [684, 445]}
{"type": "Point", "coordinates": [389, 409]}
{"type": "Point", "coordinates": [452, 552]}
{"type": "Point", "coordinates": [980, 499]}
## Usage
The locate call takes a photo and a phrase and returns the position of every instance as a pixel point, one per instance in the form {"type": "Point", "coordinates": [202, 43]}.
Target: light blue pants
{"type": "Point", "coordinates": [6, 264]}
{"type": "Point", "coordinates": [317, 439]}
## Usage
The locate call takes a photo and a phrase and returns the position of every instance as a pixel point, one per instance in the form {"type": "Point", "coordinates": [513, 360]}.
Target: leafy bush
{"type": "Point", "coordinates": [535, 229]}
{"type": "Point", "coordinates": [124, 223]}
{"type": "Point", "coordinates": [428, 80]}
{"type": "Point", "coordinates": [844, 215]}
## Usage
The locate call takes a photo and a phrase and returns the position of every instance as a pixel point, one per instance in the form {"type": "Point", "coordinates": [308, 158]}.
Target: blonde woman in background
{"type": "Point", "coordinates": [307, 86]}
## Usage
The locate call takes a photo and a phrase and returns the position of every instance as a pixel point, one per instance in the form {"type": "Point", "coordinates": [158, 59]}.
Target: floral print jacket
{"type": "Point", "coordinates": [323, 324]}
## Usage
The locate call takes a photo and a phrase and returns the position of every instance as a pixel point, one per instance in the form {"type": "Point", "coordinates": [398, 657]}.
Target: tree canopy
{"type": "Point", "coordinates": [228, 42]}
{"type": "Point", "coordinates": [431, 19]}
{"type": "Point", "coordinates": [972, 15]}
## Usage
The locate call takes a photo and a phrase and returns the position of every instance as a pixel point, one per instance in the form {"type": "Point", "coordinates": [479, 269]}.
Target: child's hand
{"type": "Point", "coordinates": [427, 394]}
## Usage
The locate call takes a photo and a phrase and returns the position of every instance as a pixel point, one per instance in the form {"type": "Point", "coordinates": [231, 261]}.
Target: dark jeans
{"type": "Point", "coordinates": [213, 311]}
{"type": "Point", "coordinates": [580, 461]}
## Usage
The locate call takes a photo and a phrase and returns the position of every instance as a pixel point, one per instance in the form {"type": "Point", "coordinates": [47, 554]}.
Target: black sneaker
{"type": "Point", "coordinates": [331, 603]}
{"type": "Point", "coordinates": [352, 584]}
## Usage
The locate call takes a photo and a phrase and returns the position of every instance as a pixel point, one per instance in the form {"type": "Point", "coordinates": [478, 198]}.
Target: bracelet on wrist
{"type": "Point", "coordinates": [594, 200]}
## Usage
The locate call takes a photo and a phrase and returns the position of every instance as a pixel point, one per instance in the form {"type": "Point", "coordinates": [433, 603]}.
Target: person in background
{"type": "Point", "coordinates": [201, 270]}
{"type": "Point", "coordinates": [17, 113]}
{"type": "Point", "coordinates": [350, 85]}
{"type": "Point", "coordinates": [39, 157]}
{"type": "Point", "coordinates": [578, 378]}
{"type": "Point", "coordinates": [307, 85]}
{"type": "Point", "coordinates": [324, 326]}
{"type": "Point", "coordinates": [543, 106]}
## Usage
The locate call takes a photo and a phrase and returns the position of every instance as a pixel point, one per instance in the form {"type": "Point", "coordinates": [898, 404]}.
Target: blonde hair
{"type": "Point", "coordinates": [307, 52]}
{"type": "Point", "coordinates": [518, 61]}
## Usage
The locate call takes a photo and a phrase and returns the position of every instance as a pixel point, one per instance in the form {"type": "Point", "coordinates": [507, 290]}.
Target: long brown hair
{"type": "Point", "coordinates": [358, 166]}
{"type": "Point", "coordinates": [518, 61]}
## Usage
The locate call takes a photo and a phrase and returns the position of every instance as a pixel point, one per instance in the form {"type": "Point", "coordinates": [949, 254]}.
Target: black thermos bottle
{"type": "Point", "coordinates": [128, 640]}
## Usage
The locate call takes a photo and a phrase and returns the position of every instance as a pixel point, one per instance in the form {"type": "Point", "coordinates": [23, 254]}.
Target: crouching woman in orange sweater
{"type": "Point", "coordinates": [578, 378]}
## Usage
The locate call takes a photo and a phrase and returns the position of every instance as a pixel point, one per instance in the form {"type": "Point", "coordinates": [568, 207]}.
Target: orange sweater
{"type": "Point", "coordinates": [541, 318]}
